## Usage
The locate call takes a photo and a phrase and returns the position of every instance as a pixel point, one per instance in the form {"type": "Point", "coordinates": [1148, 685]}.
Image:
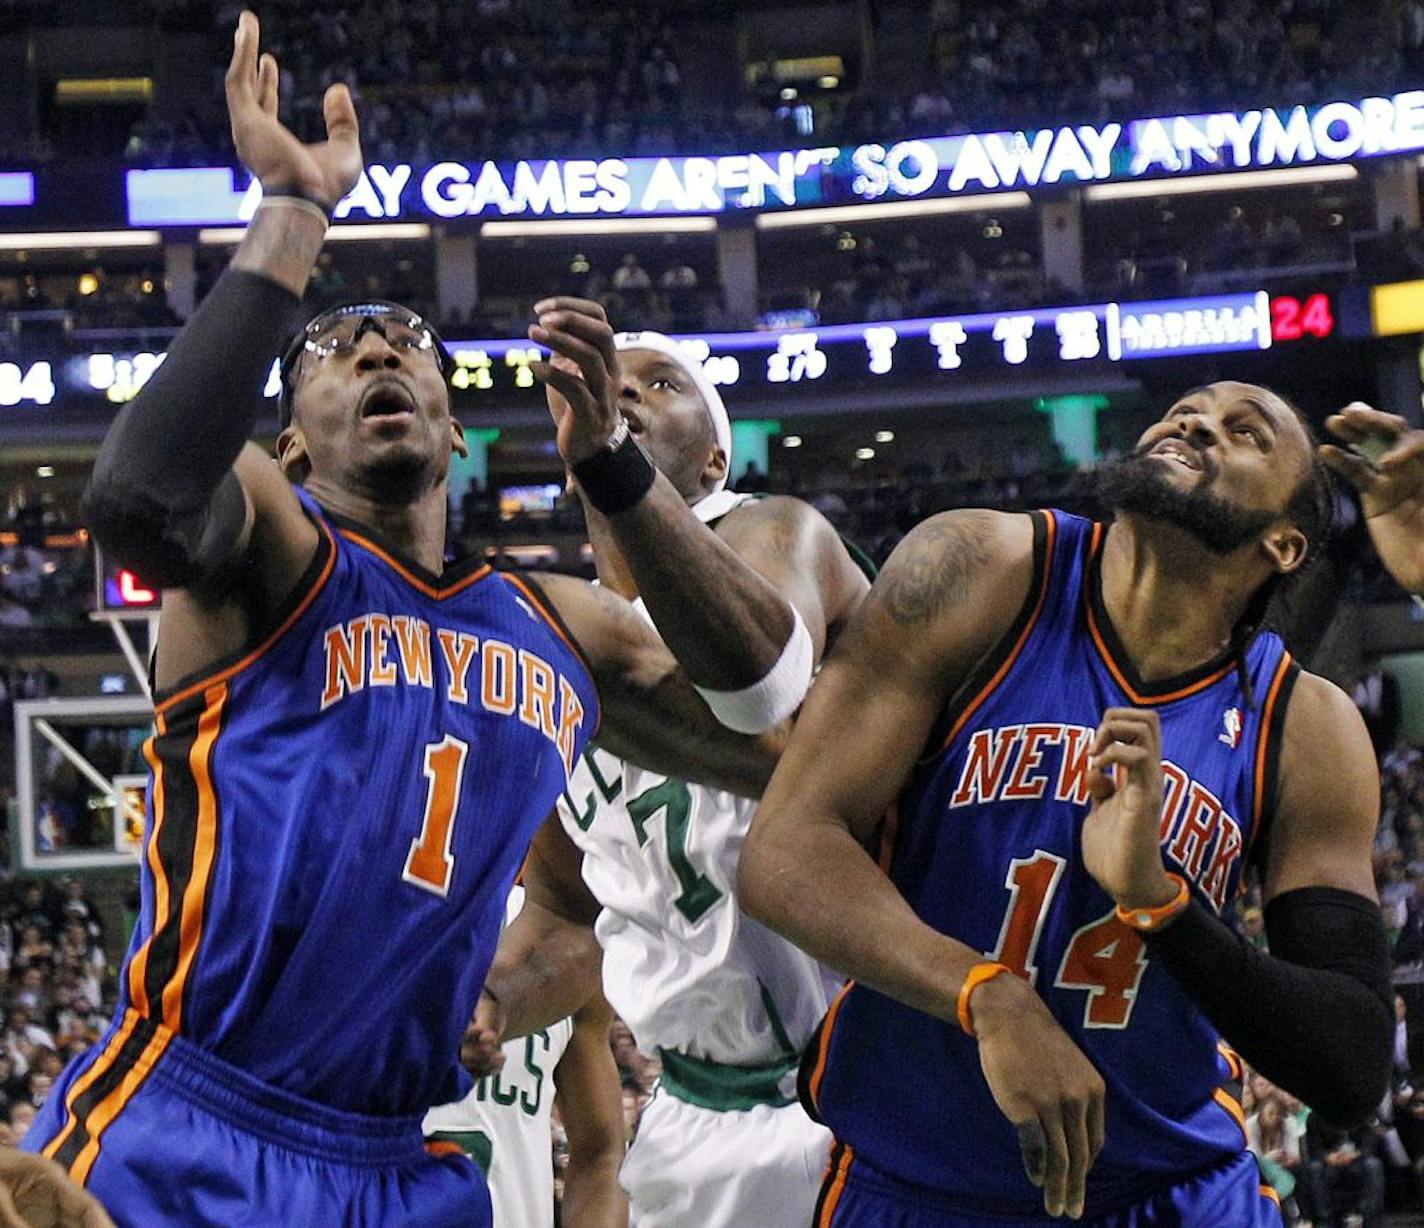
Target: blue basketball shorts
{"type": "Point", "coordinates": [164, 1133]}
{"type": "Point", "coordinates": [1230, 1194]}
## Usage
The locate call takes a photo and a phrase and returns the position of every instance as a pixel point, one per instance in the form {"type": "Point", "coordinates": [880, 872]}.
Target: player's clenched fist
{"type": "Point", "coordinates": [324, 171]}
{"type": "Point", "coordinates": [1044, 1085]}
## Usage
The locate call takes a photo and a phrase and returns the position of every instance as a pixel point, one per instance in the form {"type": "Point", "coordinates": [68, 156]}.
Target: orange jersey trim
{"type": "Point", "coordinates": [538, 604]}
{"type": "Point", "coordinates": [553, 622]}
{"type": "Point", "coordinates": [1233, 1059]}
{"type": "Point", "coordinates": [823, 1050]}
{"type": "Point", "coordinates": [443, 1147]}
{"type": "Point", "coordinates": [1229, 1103]}
{"type": "Point", "coordinates": [1050, 537]}
{"type": "Point", "coordinates": [89, 1078]}
{"type": "Point", "coordinates": [421, 586]}
{"type": "Point", "coordinates": [138, 969]}
{"type": "Point", "coordinates": [1268, 1192]}
{"type": "Point", "coordinates": [835, 1190]}
{"type": "Point", "coordinates": [190, 926]}
{"type": "Point", "coordinates": [1263, 746]}
{"type": "Point", "coordinates": [114, 1103]}
{"type": "Point", "coordinates": [1113, 668]}
{"type": "Point", "coordinates": [224, 675]}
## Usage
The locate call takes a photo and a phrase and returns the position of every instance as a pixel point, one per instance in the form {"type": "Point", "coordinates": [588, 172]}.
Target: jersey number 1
{"type": "Point", "coordinates": [1105, 957]}
{"type": "Point", "coordinates": [429, 863]}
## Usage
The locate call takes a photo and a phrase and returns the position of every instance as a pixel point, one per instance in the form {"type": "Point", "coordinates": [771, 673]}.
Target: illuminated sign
{"type": "Point", "coordinates": [17, 188]}
{"type": "Point", "coordinates": [33, 382]}
{"type": "Point", "coordinates": [920, 348]}
{"type": "Point", "coordinates": [118, 588]}
{"type": "Point", "coordinates": [1398, 308]}
{"type": "Point", "coordinates": [902, 170]}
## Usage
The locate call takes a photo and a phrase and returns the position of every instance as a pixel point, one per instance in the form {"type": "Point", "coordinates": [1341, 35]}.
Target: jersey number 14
{"type": "Point", "coordinates": [1105, 957]}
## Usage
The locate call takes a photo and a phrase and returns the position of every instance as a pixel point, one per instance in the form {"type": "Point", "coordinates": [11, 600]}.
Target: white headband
{"type": "Point", "coordinates": [662, 344]}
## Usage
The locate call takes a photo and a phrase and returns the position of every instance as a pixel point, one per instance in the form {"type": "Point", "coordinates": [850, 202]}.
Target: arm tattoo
{"type": "Point", "coordinates": [935, 566]}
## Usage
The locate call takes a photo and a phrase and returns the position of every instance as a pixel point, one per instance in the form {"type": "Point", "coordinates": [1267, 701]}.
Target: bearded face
{"type": "Point", "coordinates": [1143, 484]}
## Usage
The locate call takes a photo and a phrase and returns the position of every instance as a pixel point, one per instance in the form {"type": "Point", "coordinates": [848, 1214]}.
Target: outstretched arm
{"type": "Point", "coordinates": [177, 493]}
{"type": "Point", "coordinates": [939, 606]}
{"type": "Point", "coordinates": [732, 605]}
{"type": "Point", "coordinates": [652, 716]}
{"type": "Point", "coordinates": [165, 495]}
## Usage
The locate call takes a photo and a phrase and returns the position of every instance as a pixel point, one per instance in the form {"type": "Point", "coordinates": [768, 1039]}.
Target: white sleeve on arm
{"type": "Point", "coordinates": [777, 695]}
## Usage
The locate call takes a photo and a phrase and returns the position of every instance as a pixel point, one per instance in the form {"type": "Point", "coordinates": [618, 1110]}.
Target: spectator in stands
{"type": "Point", "coordinates": [21, 1118]}
{"type": "Point", "coordinates": [630, 275]}
{"type": "Point", "coordinates": [1274, 1139]}
{"type": "Point", "coordinates": [1343, 1176]}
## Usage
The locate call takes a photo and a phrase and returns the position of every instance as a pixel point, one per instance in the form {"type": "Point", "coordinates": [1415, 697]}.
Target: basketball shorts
{"type": "Point", "coordinates": [1231, 1194]}
{"type": "Point", "coordinates": [187, 1139]}
{"type": "Point", "coordinates": [696, 1167]}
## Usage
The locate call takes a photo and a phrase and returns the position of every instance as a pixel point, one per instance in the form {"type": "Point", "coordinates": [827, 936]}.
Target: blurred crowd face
{"type": "Point", "coordinates": [22, 1117]}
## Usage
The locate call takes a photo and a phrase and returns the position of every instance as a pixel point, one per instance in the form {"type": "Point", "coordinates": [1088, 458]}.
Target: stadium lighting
{"type": "Point", "coordinates": [791, 441]}
{"type": "Point", "coordinates": [38, 240]}
{"type": "Point", "coordinates": [376, 231]}
{"type": "Point", "coordinates": [1222, 183]}
{"type": "Point", "coordinates": [893, 210]}
{"type": "Point", "coordinates": [593, 227]}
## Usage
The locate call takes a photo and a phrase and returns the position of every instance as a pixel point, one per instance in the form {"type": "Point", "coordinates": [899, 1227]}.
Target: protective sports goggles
{"type": "Point", "coordinates": [339, 330]}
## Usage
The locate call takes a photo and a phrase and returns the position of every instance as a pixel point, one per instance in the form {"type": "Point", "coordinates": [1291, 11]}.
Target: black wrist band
{"type": "Point", "coordinates": [281, 193]}
{"type": "Point", "coordinates": [617, 479]}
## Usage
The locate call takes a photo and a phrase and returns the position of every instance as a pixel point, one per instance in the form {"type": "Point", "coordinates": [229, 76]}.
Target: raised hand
{"type": "Point", "coordinates": [324, 171]}
{"type": "Point", "coordinates": [37, 1193]}
{"type": "Point", "coordinates": [1391, 488]}
{"type": "Point", "coordinates": [1046, 1087]}
{"type": "Point", "coordinates": [582, 379]}
{"type": "Point", "coordinates": [1121, 835]}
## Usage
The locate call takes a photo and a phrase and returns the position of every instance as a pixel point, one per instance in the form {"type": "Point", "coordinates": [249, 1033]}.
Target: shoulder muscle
{"type": "Point", "coordinates": [798, 551]}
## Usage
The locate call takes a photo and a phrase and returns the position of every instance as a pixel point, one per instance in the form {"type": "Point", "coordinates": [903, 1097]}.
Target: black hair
{"type": "Point", "coordinates": [1309, 508]}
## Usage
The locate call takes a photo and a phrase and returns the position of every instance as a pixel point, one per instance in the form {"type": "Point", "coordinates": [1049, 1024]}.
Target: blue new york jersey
{"type": "Point", "coordinates": [986, 848]}
{"type": "Point", "coordinates": [335, 822]}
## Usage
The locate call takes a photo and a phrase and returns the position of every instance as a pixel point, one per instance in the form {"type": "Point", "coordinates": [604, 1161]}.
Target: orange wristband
{"type": "Point", "coordinates": [978, 974]}
{"type": "Point", "coordinates": [1149, 919]}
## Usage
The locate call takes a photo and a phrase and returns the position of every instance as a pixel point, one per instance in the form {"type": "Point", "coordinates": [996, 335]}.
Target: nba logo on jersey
{"type": "Point", "coordinates": [1231, 734]}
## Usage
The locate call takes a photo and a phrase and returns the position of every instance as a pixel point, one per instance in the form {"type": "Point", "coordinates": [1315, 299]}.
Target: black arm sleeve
{"type": "Point", "coordinates": [163, 498]}
{"type": "Point", "coordinates": [1315, 1017]}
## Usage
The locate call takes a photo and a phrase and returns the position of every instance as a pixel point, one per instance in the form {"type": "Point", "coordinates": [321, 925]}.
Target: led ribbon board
{"type": "Point", "coordinates": [1148, 148]}
{"type": "Point", "coordinates": [889, 352]}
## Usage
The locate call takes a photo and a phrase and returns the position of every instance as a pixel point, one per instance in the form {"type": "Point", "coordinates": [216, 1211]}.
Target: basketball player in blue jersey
{"type": "Point", "coordinates": [354, 744]}
{"type": "Point", "coordinates": [1071, 741]}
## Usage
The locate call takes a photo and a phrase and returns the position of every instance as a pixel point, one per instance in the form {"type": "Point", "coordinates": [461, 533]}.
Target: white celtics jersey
{"type": "Point", "coordinates": [504, 1123]}
{"type": "Point", "coordinates": [683, 966]}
